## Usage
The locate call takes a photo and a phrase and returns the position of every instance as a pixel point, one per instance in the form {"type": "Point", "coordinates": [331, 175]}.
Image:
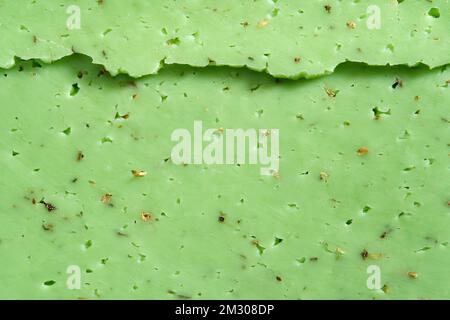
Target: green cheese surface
{"type": "Point", "coordinates": [363, 178]}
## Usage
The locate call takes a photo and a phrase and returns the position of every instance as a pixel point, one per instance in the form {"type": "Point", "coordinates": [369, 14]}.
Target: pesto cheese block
{"type": "Point", "coordinates": [95, 203]}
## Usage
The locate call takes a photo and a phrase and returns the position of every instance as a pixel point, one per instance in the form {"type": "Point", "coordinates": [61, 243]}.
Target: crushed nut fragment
{"type": "Point", "coordinates": [80, 156]}
{"type": "Point", "coordinates": [139, 173]}
{"type": "Point", "coordinates": [386, 289]}
{"type": "Point", "coordinates": [351, 24]}
{"type": "Point", "coordinates": [276, 174]}
{"type": "Point", "coordinates": [146, 216]}
{"type": "Point", "coordinates": [323, 176]}
{"type": "Point", "coordinates": [363, 151]}
{"type": "Point", "coordinates": [331, 93]}
{"type": "Point", "coordinates": [106, 198]}
{"type": "Point", "coordinates": [364, 254]}
{"type": "Point", "coordinates": [375, 256]}
{"type": "Point", "coordinates": [48, 206]}
{"type": "Point", "coordinates": [263, 23]}
{"type": "Point", "coordinates": [47, 227]}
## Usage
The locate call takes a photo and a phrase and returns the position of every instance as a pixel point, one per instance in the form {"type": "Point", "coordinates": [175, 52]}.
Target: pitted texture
{"type": "Point", "coordinates": [290, 39]}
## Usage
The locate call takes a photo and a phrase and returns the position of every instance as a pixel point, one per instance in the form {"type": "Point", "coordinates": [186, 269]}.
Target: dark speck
{"type": "Point", "coordinates": [80, 156]}
{"type": "Point", "coordinates": [364, 254]}
{"type": "Point", "coordinates": [48, 206]}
